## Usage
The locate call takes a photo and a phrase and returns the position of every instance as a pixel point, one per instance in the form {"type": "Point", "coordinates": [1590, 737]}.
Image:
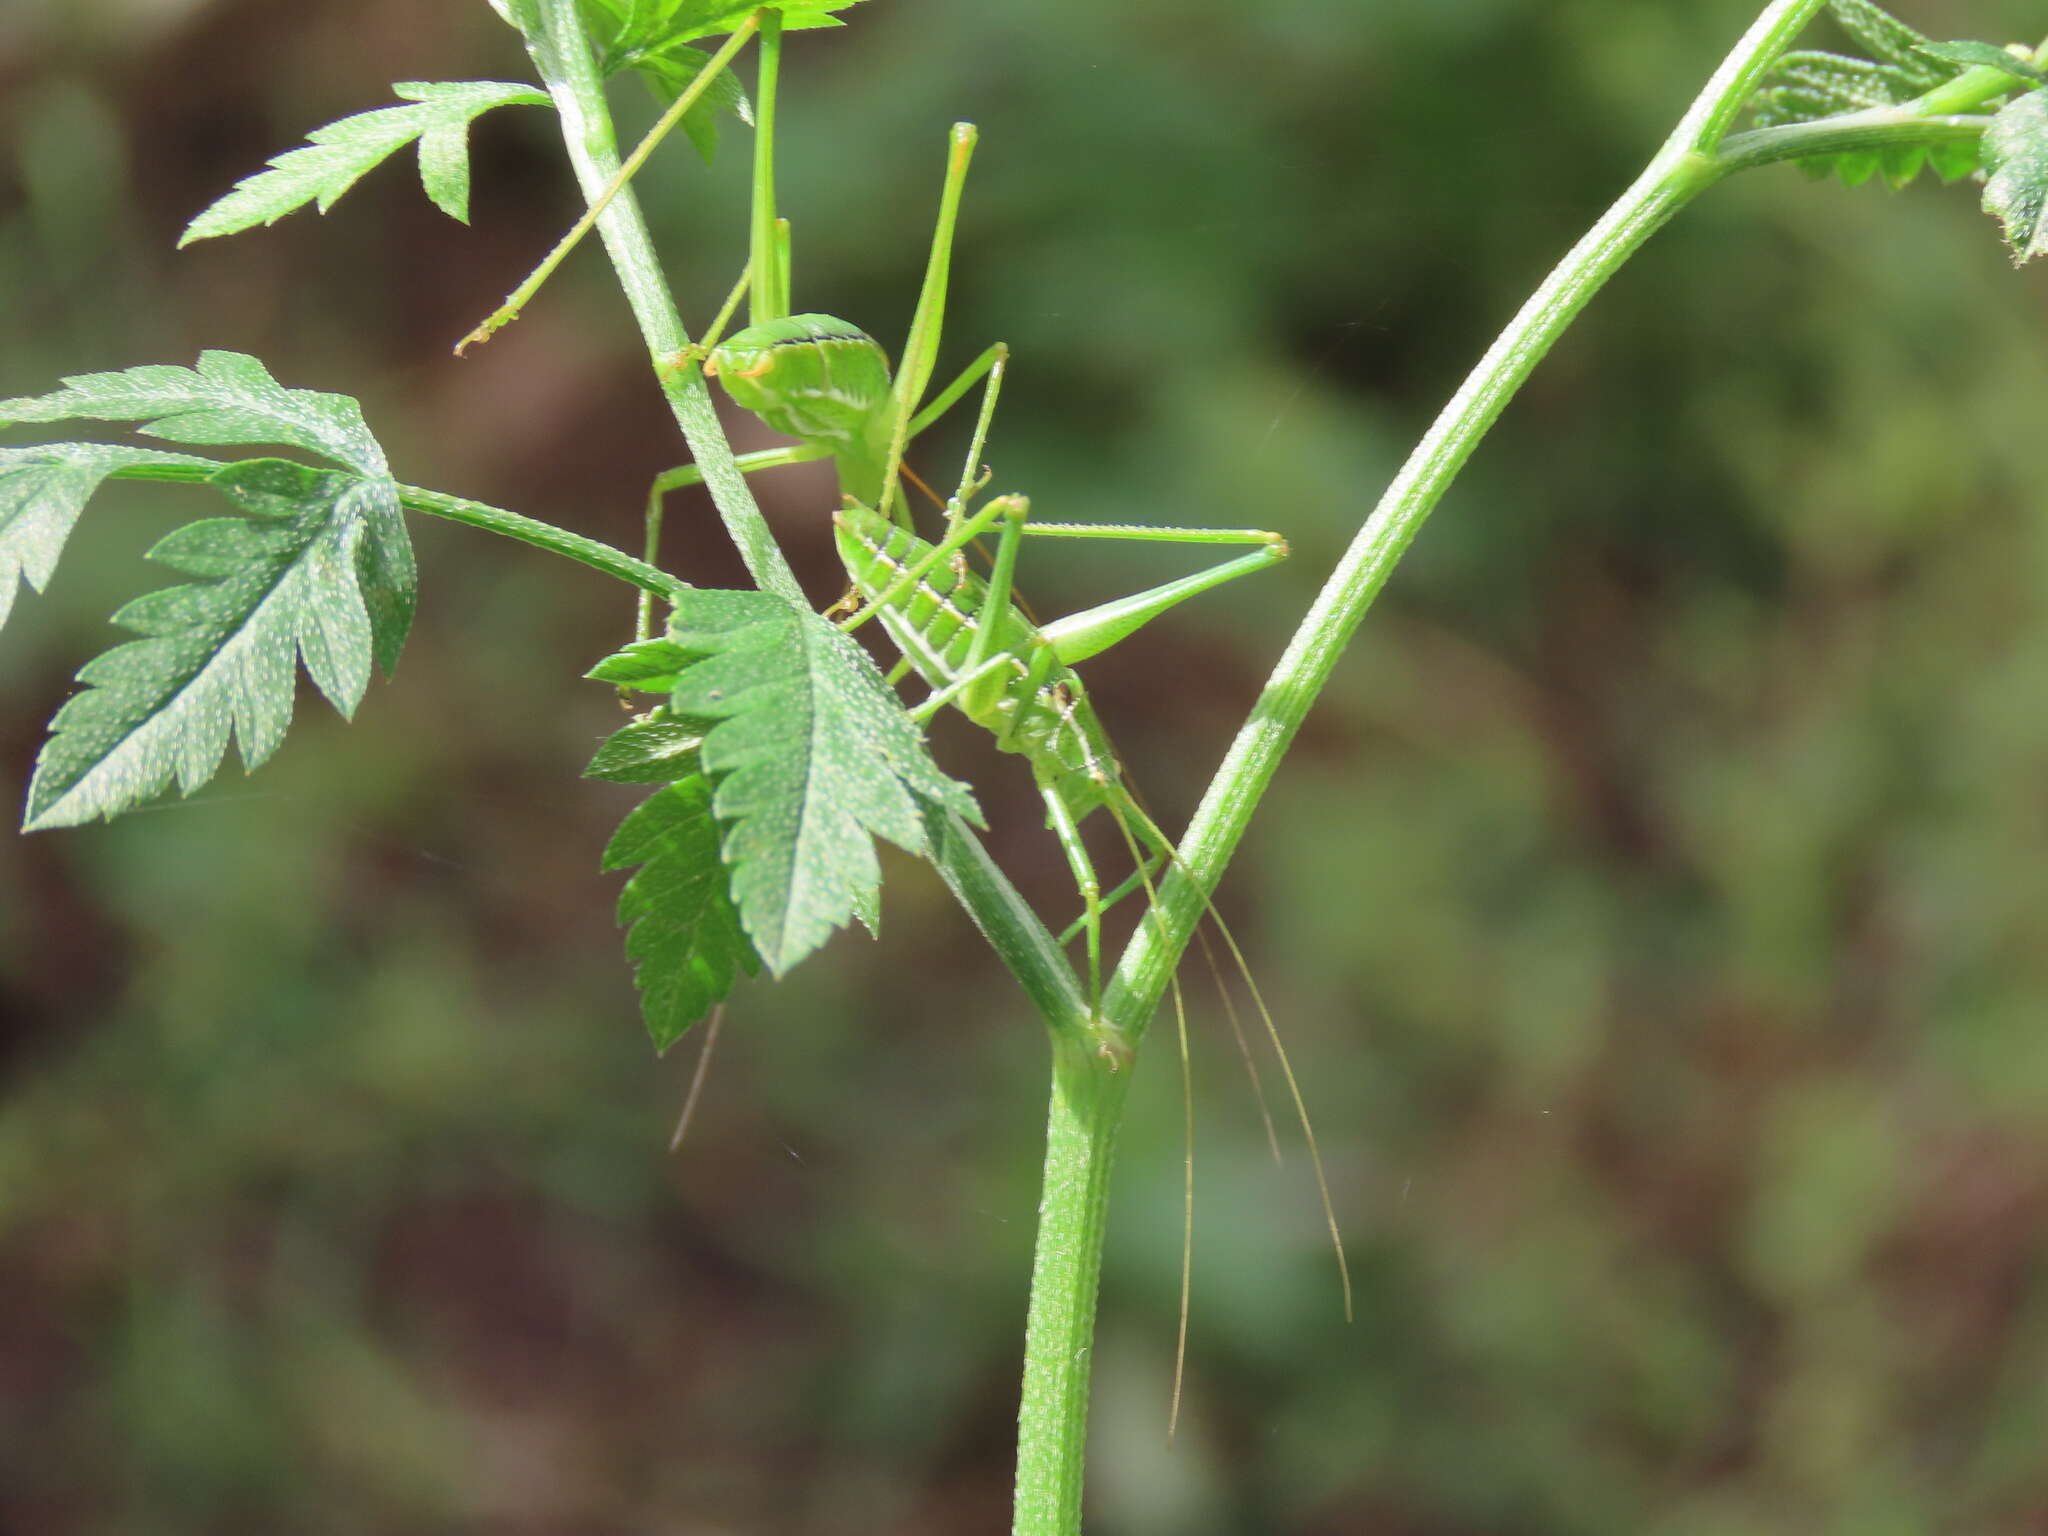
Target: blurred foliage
{"type": "Point", "coordinates": [1654, 909]}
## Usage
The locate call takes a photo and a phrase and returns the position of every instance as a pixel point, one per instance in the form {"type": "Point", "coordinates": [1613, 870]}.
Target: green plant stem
{"type": "Point", "coordinates": [594, 553]}
{"type": "Point", "coordinates": [519, 297]}
{"type": "Point", "coordinates": [1088, 1092]}
{"type": "Point", "coordinates": [1879, 128]}
{"type": "Point", "coordinates": [767, 298]}
{"type": "Point", "coordinates": [568, 68]}
{"type": "Point", "coordinates": [1947, 114]}
{"type": "Point", "coordinates": [1685, 166]}
{"type": "Point", "coordinates": [556, 541]}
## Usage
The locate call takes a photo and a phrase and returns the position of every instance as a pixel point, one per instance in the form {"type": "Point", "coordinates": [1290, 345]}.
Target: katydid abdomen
{"type": "Point", "coordinates": [1033, 704]}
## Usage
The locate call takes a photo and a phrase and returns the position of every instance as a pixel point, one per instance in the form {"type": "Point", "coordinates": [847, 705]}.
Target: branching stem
{"type": "Point", "coordinates": [561, 51]}
{"type": "Point", "coordinates": [1088, 1085]}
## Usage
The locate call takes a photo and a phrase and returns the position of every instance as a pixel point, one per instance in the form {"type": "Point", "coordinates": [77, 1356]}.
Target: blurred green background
{"type": "Point", "coordinates": [1654, 907]}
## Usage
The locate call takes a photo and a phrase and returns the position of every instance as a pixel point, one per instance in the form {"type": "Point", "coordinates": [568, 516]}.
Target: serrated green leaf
{"type": "Point", "coordinates": [657, 750]}
{"type": "Point", "coordinates": [1952, 162]}
{"type": "Point", "coordinates": [812, 757]}
{"type": "Point", "coordinates": [229, 397]}
{"type": "Point", "coordinates": [685, 939]}
{"type": "Point", "coordinates": [671, 70]}
{"type": "Point", "coordinates": [1988, 55]}
{"type": "Point", "coordinates": [1804, 86]}
{"type": "Point", "coordinates": [1900, 163]}
{"type": "Point", "coordinates": [2016, 155]}
{"type": "Point", "coordinates": [634, 26]}
{"type": "Point", "coordinates": [42, 491]}
{"type": "Point", "coordinates": [1888, 38]}
{"type": "Point", "coordinates": [651, 666]}
{"type": "Point", "coordinates": [336, 156]}
{"type": "Point", "coordinates": [292, 578]}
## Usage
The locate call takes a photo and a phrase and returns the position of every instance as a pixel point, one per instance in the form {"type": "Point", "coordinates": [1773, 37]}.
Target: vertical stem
{"type": "Point", "coordinates": [561, 51]}
{"type": "Point", "coordinates": [768, 299]}
{"type": "Point", "coordinates": [1089, 1086]}
{"type": "Point", "coordinates": [1088, 1094]}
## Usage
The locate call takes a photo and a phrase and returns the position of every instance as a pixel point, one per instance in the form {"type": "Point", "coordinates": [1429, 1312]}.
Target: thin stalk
{"type": "Point", "coordinates": [769, 299]}
{"type": "Point", "coordinates": [519, 297]}
{"type": "Point", "coordinates": [1947, 114]}
{"type": "Point", "coordinates": [594, 553]}
{"type": "Point", "coordinates": [1088, 1090]}
{"type": "Point", "coordinates": [561, 52]}
{"type": "Point", "coordinates": [1878, 128]}
{"type": "Point", "coordinates": [556, 541]}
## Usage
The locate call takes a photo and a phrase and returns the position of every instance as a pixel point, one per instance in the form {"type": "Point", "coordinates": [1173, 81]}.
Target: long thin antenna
{"type": "Point", "coordinates": [1187, 1113]}
{"type": "Point", "coordinates": [711, 1027]}
{"type": "Point", "coordinates": [1244, 970]}
{"type": "Point", "coordinates": [517, 299]}
{"type": "Point", "coordinates": [1244, 1045]}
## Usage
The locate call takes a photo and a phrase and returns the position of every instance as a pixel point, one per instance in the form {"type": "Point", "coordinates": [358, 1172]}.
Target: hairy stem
{"type": "Point", "coordinates": [1683, 168]}
{"type": "Point", "coordinates": [521, 296]}
{"type": "Point", "coordinates": [561, 51]}
{"type": "Point", "coordinates": [556, 541]}
{"type": "Point", "coordinates": [1879, 128]}
{"type": "Point", "coordinates": [1088, 1093]}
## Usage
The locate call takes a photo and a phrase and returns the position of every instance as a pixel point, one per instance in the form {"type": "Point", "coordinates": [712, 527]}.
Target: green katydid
{"type": "Point", "coordinates": [828, 384]}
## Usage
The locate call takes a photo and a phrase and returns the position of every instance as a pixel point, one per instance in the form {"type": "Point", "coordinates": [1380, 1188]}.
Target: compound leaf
{"type": "Point", "coordinates": [2016, 155]}
{"type": "Point", "coordinates": [635, 26]}
{"type": "Point", "coordinates": [42, 491]}
{"type": "Point", "coordinates": [651, 666]}
{"type": "Point", "coordinates": [294, 577]}
{"type": "Point", "coordinates": [1988, 55]}
{"type": "Point", "coordinates": [657, 750]}
{"type": "Point", "coordinates": [684, 938]}
{"type": "Point", "coordinates": [1888, 38]}
{"type": "Point", "coordinates": [670, 69]}
{"type": "Point", "coordinates": [336, 156]}
{"type": "Point", "coordinates": [812, 758]}
{"type": "Point", "coordinates": [231, 398]}
{"type": "Point", "coordinates": [1807, 86]}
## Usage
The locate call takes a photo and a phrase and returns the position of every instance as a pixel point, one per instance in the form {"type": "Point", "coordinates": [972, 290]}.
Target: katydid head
{"type": "Point", "coordinates": [815, 378]}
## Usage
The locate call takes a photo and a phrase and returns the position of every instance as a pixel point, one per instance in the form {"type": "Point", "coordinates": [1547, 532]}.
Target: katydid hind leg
{"type": "Point", "coordinates": [1094, 630]}
{"type": "Point", "coordinates": [685, 475]}
{"type": "Point", "coordinates": [712, 1026]}
{"type": "Point", "coordinates": [1061, 820]}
